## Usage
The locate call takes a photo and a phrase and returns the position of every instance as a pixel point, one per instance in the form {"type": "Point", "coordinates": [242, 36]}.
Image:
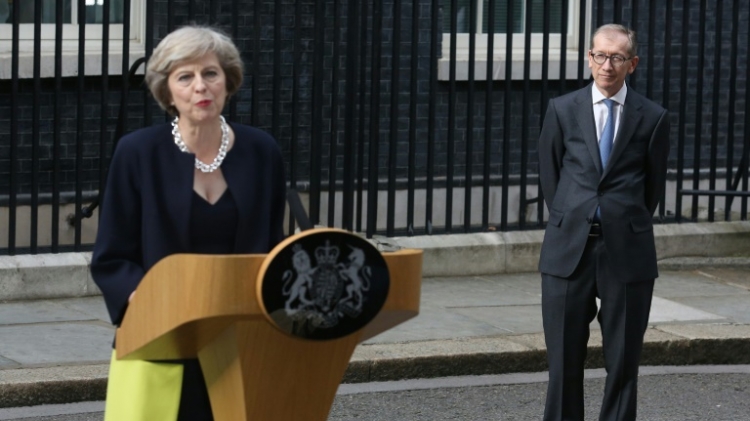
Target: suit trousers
{"type": "Point", "coordinates": [568, 308]}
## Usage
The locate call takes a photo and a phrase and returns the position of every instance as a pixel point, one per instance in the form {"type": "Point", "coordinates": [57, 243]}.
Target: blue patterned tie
{"type": "Point", "coordinates": [605, 142]}
{"type": "Point", "coordinates": [608, 134]}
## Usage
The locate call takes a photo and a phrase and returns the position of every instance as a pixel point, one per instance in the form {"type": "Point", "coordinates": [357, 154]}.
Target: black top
{"type": "Point", "coordinates": [212, 231]}
{"type": "Point", "coordinates": [213, 227]}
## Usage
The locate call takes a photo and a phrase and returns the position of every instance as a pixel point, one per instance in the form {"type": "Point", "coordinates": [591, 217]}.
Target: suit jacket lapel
{"type": "Point", "coordinates": [181, 187]}
{"type": "Point", "coordinates": [174, 192]}
{"type": "Point", "coordinates": [631, 117]}
{"type": "Point", "coordinates": [242, 187]}
{"type": "Point", "coordinates": [587, 124]}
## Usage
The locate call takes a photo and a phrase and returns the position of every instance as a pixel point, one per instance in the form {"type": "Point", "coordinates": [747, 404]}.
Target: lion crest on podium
{"type": "Point", "coordinates": [323, 293]}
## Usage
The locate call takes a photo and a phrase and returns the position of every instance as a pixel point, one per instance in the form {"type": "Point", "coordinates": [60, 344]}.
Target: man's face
{"type": "Point", "coordinates": [609, 77]}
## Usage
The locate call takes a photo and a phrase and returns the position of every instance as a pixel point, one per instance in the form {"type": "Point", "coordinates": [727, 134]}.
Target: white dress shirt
{"type": "Point", "coordinates": [600, 110]}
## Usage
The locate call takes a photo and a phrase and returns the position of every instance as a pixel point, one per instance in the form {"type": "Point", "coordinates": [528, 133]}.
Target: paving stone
{"type": "Point", "coordinates": [436, 323]}
{"type": "Point", "coordinates": [39, 312]}
{"type": "Point", "coordinates": [734, 307]}
{"type": "Point", "coordinates": [730, 276]}
{"type": "Point", "coordinates": [476, 292]}
{"type": "Point", "coordinates": [663, 310]}
{"type": "Point", "coordinates": [6, 363]}
{"type": "Point", "coordinates": [56, 343]}
{"type": "Point", "coordinates": [512, 319]}
{"type": "Point", "coordinates": [708, 331]}
{"type": "Point", "coordinates": [690, 284]}
{"type": "Point", "coordinates": [93, 307]}
{"type": "Point", "coordinates": [529, 284]}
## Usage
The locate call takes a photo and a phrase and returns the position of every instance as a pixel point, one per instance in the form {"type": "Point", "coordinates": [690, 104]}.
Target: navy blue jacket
{"type": "Point", "coordinates": [144, 214]}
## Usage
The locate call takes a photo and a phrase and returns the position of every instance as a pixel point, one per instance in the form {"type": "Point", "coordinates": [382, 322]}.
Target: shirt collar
{"type": "Point", "coordinates": [619, 97]}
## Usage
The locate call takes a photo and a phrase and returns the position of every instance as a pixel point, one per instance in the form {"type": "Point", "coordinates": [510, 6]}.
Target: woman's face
{"type": "Point", "coordinates": [198, 89]}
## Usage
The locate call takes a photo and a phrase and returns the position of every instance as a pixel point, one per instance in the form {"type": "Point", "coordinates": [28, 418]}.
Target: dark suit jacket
{"type": "Point", "coordinates": [627, 191]}
{"type": "Point", "coordinates": [145, 210]}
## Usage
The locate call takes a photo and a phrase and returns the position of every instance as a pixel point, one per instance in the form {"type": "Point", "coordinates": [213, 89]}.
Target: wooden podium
{"type": "Point", "coordinates": [212, 308]}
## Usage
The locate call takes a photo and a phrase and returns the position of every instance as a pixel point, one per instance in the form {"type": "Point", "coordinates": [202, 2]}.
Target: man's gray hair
{"type": "Point", "coordinates": [614, 27]}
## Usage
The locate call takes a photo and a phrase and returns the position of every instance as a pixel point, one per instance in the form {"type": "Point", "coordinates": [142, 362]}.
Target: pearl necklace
{"type": "Point", "coordinates": [222, 149]}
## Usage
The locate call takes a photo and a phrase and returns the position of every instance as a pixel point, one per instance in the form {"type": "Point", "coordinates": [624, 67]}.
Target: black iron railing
{"type": "Point", "coordinates": [397, 117]}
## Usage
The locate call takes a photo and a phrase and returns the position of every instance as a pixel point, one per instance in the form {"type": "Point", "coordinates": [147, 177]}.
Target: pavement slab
{"type": "Point", "coordinates": [436, 323]}
{"type": "Point", "coordinates": [56, 343]}
{"type": "Point", "coordinates": [43, 311]}
{"type": "Point", "coordinates": [478, 291]}
{"type": "Point", "coordinates": [663, 310]}
{"type": "Point", "coordinates": [510, 319]}
{"type": "Point", "coordinates": [735, 307]}
{"type": "Point", "coordinates": [731, 276]}
{"type": "Point", "coordinates": [93, 307]}
{"type": "Point", "coordinates": [7, 363]}
{"type": "Point", "coordinates": [694, 283]}
{"type": "Point", "coordinates": [708, 331]}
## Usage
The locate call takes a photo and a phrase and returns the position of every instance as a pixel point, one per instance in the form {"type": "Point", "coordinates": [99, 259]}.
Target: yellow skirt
{"type": "Point", "coordinates": [142, 390]}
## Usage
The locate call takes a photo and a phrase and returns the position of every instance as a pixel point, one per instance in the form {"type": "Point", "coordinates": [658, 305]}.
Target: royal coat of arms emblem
{"type": "Point", "coordinates": [325, 284]}
{"type": "Point", "coordinates": [328, 291]}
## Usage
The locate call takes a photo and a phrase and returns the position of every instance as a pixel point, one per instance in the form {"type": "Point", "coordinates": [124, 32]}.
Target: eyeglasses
{"type": "Point", "coordinates": [601, 58]}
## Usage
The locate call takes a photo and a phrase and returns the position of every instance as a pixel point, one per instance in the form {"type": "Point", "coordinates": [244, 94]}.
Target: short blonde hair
{"type": "Point", "coordinates": [185, 44]}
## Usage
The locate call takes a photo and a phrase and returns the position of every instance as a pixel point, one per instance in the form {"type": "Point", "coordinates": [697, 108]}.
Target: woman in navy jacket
{"type": "Point", "coordinates": [197, 185]}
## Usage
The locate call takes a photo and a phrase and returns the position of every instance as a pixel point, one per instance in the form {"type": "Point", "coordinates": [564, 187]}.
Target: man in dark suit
{"type": "Point", "coordinates": [603, 161]}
